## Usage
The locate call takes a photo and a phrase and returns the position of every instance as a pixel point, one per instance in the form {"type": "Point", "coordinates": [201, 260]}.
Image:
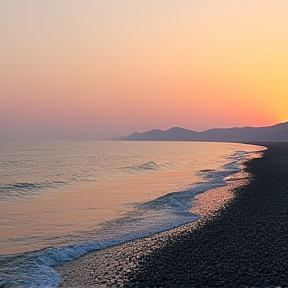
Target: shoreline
{"type": "Point", "coordinates": [109, 267]}
{"type": "Point", "coordinates": [124, 265]}
{"type": "Point", "coordinates": [245, 245]}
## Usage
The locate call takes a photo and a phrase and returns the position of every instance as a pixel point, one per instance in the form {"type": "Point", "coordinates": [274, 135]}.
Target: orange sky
{"type": "Point", "coordinates": [94, 70]}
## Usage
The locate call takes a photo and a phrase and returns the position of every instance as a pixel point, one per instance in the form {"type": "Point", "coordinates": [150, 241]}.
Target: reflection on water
{"type": "Point", "coordinates": [57, 193]}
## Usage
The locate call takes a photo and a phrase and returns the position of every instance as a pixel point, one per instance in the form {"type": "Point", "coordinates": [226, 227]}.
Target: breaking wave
{"type": "Point", "coordinates": [34, 269]}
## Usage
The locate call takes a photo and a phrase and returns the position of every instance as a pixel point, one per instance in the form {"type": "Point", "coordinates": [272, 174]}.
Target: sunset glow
{"type": "Point", "coordinates": [95, 70]}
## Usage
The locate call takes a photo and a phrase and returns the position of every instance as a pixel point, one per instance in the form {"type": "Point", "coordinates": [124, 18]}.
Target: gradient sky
{"type": "Point", "coordinates": [96, 69]}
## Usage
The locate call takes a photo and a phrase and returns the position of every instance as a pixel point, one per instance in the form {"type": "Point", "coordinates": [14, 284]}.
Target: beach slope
{"type": "Point", "coordinates": [244, 245]}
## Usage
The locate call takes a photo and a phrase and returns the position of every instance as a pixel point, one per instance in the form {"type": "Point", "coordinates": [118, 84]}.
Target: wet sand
{"type": "Point", "coordinates": [241, 239]}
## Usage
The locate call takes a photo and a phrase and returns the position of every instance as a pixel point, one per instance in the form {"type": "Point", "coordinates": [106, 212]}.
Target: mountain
{"type": "Point", "coordinates": [278, 132]}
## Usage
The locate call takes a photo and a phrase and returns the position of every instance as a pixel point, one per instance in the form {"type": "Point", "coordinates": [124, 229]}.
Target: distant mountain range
{"type": "Point", "coordinates": [278, 132]}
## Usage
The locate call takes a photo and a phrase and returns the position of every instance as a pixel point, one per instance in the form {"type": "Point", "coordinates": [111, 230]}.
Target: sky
{"type": "Point", "coordinates": [99, 69]}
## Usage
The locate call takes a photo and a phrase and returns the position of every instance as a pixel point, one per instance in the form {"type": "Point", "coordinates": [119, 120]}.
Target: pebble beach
{"type": "Point", "coordinates": [240, 240]}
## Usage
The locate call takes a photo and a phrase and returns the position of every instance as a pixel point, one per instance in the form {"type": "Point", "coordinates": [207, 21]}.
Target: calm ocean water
{"type": "Point", "coordinates": [60, 200]}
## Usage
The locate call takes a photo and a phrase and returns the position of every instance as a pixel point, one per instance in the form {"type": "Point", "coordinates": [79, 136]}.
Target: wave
{"type": "Point", "coordinates": [148, 166]}
{"type": "Point", "coordinates": [23, 189]}
{"type": "Point", "coordinates": [34, 269]}
{"type": "Point", "coordinates": [239, 154]}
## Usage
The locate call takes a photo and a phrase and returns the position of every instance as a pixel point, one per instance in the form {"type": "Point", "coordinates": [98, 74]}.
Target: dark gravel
{"type": "Point", "coordinates": [245, 245]}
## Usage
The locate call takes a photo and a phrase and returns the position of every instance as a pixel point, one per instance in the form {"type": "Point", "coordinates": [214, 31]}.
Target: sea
{"type": "Point", "coordinates": [61, 200]}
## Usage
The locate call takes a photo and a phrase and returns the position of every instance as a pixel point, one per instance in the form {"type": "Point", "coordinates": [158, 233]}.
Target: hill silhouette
{"type": "Point", "coordinates": [278, 132]}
